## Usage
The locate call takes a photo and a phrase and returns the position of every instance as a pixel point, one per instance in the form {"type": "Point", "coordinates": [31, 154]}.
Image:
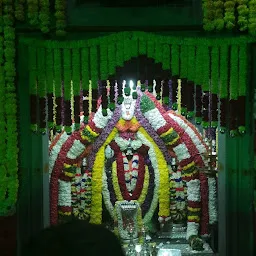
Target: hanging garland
{"type": "Point", "coordinates": [252, 14]}
{"type": "Point", "coordinates": [60, 9]}
{"type": "Point", "coordinates": [7, 206]}
{"type": "Point", "coordinates": [93, 67]}
{"type": "Point", "coordinates": [219, 21]}
{"type": "Point", "coordinates": [41, 89]}
{"type": "Point", "coordinates": [184, 75]}
{"type": "Point", "coordinates": [85, 80]}
{"type": "Point", "coordinates": [33, 88]}
{"type": "Point", "coordinates": [223, 91]}
{"type": "Point", "coordinates": [208, 12]}
{"type": "Point", "coordinates": [103, 61]}
{"type": "Point", "coordinates": [67, 90]}
{"type": "Point", "coordinates": [44, 15]}
{"type": "Point", "coordinates": [19, 9]}
{"type": "Point", "coordinates": [233, 90]}
{"type": "Point", "coordinates": [49, 79]}
{"type": "Point", "coordinates": [243, 12]}
{"type": "Point", "coordinates": [76, 85]}
{"type": "Point", "coordinates": [32, 8]}
{"type": "Point", "coordinates": [3, 178]}
{"type": "Point", "coordinates": [214, 85]}
{"type": "Point", "coordinates": [111, 59]}
{"type": "Point", "coordinates": [243, 73]}
{"type": "Point", "coordinates": [58, 88]}
{"type": "Point", "coordinates": [229, 16]}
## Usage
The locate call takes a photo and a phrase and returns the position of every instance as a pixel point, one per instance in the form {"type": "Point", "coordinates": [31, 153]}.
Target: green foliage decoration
{"type": "Point", "coordinates": [19, 9]}
{"type": "Point", "coordinates": [44, 15]}
{"type": "Point", "coordinates": [60, 9]}
{"type": "Point", "coordinates": [32, 9]}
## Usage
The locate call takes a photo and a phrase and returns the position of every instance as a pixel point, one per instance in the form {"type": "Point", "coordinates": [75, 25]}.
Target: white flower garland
{"type": "Point", "coordinates": [155, 118]}
{"type": "Point", "coordinates": [55, 152]}
{"type": "Point", "coordinates": [192, 229]}
{"type": "Point", "coordinates": [76, 150]}
{"type": "Point", "coordinates": [64, 193]}
{"type": "Point", "coordinates": [100, 120]}
{"type": "Point", "coordinates": [212, 200]}
{"type": "Point", "coordinates": [109, 152]}
{"type": "Point", "coordinates": [152, 155]}
{"type": "Point", "coordinates": [193, 191]}
{"type": "Point", "coordinates": [123, 143]}
{"type": "Point", "coordinates": [181, 152]}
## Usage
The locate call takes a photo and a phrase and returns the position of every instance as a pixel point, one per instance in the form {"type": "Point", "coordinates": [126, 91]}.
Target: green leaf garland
{"type": "Point", "coordinates": [104, 61]}
{"type": "Point", "coordinates": [233, 82]}
{"type": "Point", "coordinates": [94, 66]}
{"type": "Point", "coordinates": [119, 53]}
{"type": "Point", "coordinates": [229, 16]}
{"type": "Point", "coordinates": [184, 61]}
{"type": "Point", "coordinates": [142, 47]}
{"type": "Point", "coordinates": [158, 53]}
{"type": "Point", "coordinates": [44, 15]}
{"type": "Point", "coordinates": [76, 71]}
{"type": "Point", "coordinates": [166, 57]}
{"type": "Point", "coordinates": [243, 11]}
{"type": "Point", "coordinates": [208, 13]}
{"type": "Point", "coordinates": [127, 50]}
{"type": "Point", "coordinates": [223, 72]}
{"type": "Point", "coordinates": [215, 70]}
{"type": "Point", "coordinates": [41, 88]}
{"type": "Point", "coordinates": [191, 63]}
{"type": "Point", "coordinates": [243, 70]}
{"type": "Point", "coordinates": [219, 21]}
{"type": "Point", "coordinates": [19, 9]}
{"type": "Point", "coordinates": [49, 83]}
{"type": "Point", "coordinates": [175, 59]}
{"type": "Point", "coordinates": [60, 9]}
{"type": "Point", "coordinates": [7, 206]}
{"type": "Point", "coordinates": [252, 17]}
{"type": "Point", "coordinates": [151, 49]}
{"type": "Point", "coordinates": [111, 59]}
{"type": "Point", "coordinates": [85, 68]}
{"type": "Point", "coordinates": [32, 9]}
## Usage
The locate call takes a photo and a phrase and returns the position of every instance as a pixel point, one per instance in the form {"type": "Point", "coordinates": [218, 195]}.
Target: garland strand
{"type": "Point", "coordinates": [76, 85]}
{"type": "Point", "coordinates": [7, 206]}
{"type": "Point", "coordinates": [229, 16]}
{"type": "Point", "coordinates": [33, 88]}
{"type": "Point", "coordinates": [49, 79]}
{"type": "Point", "coordinates": [32, 7]}
{"type": "Point", "coordinates": [58, 88]}
{"type": "Point", "coordinates": [219, 21]}
{"type": "Point", "coordinates": [60, 8]}
{"type": "Point", "coordinates": [42, 89]}
{"type": "Point", "coordinates": [19, 10]}
{"type": "Point", "coordinates": [67, 90]}
{"type": "Point", "coordinates": [208, 12]}
{"type": "Point", "coordinates": [44, 15]}
{"type": "Point", "coordinates": [252, 14]}
{"type": "Point", "coordinates": [243, 12]}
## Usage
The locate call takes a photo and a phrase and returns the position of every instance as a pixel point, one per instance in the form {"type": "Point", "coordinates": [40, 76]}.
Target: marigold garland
{"type": "Point", "coordinates": [164, 199]}
{"type": "Point", "coordinates": [98, 167]}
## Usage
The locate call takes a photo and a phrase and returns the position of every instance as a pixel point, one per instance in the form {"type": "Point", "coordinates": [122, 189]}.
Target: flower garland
{"type": "Point", "coordinates": [208, 12]}
{"type": "Point", "coordinates": [60, 8]}
{"type": "Point", "coordinates": [219, 21]}
{"type": "Point", "coordinates": [252, 21]}
{"type": "Point", "coordinates": [11, 157]}
{"type": "Point", "coordinates": [213, 216]}
{"type": "Point", "coordinates": [243, 12]}
{"type": "Point", "coordinates": [98, 167]}
{"type": "Point", "coordinates": [32, 7]}
{"type": "Point", "coordinates": [19, 10]}
{"type": "Point", "coordinates": [164, 210]}
{"type": "Point", "coordinates": [44, 15]}
{"type": "Point", "coordinates": [229, 16]}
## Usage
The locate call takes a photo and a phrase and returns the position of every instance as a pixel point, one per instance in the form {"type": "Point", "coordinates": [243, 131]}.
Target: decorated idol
{"type": "Point", "coordinates": [137, 165]}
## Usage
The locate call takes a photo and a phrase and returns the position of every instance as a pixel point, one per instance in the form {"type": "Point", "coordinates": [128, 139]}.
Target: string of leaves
{"type": "Point", "coordinates": [19, 9]}
{"type": "Point", "coordinates": [60, 9]}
